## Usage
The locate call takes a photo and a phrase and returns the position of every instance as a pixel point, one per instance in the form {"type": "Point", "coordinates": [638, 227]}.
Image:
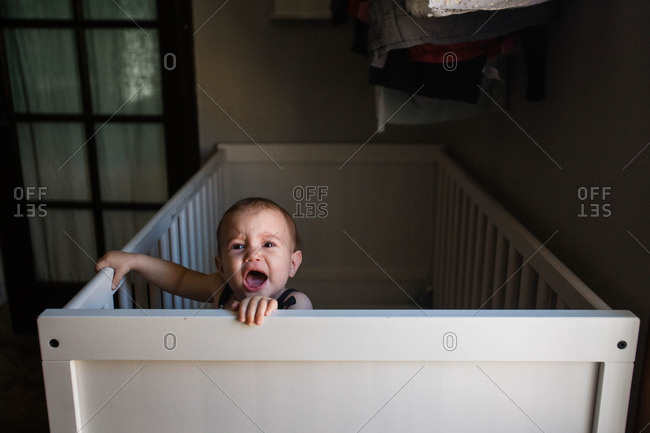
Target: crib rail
{"type": "Point", "coordinates": [487, 259]}
{"type": "Point", "coordinates": [183, 231]}
{"type": "Point", "coordinates": [483, 257]}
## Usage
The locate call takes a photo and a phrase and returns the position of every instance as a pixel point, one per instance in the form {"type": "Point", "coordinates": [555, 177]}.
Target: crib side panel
{"type": "Point", "coordinates": [502, 248]}
{"type": "Point", "coordinates": [343, 371]}
{"type": "Point", "coordinates": [322, 396]}
{"type": "Point", "coordinates": [131, 370]}
{"type": "Point", "coordinates": [170, 234]}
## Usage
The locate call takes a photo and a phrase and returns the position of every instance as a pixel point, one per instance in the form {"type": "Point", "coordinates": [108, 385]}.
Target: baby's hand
{"type": "Point", "coordinates": [254, 308]}
{"type": "Point", "coordinates": [118, 260]}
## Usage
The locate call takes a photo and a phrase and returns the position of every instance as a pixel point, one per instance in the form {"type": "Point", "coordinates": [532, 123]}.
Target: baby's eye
{"type": "Point", "coordinates": [268, 244]}
{"type": "Point", "coordinates": [236, 246]}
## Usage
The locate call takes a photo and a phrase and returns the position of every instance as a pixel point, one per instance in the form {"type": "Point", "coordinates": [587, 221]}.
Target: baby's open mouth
{"type": "Point", "coordinates": [254, 280]}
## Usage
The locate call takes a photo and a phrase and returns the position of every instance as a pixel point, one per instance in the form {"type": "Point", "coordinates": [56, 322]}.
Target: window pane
{"type": "Point", "coordinates": [121, 226]}
{"type": "Point", "coordinates": [131, 159]}
{"type": "Point", "coordinates": [56, 256]}
{"type": "Point", "coordinates": [50, 9]}
{"type": "Point", "coordinates": [124, 68]}
{"type": "Point", "coordinates": [44, 148]}
{"type": "Point", "coordinates": [43, 70]}
{"type": "Point", "coordinates": [120, 9]}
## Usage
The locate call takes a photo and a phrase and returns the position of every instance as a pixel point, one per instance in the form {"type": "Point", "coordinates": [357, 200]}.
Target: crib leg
{"type": "Point", "coordinates": [613, 395]}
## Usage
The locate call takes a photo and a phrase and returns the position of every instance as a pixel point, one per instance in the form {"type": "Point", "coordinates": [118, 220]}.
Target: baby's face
{"type": "Point", "coordinates": [257, 256]}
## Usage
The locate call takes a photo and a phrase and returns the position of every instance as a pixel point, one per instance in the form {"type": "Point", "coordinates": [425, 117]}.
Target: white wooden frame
{"type": "Point", "coordinates": [89, 330]}
{"type": "Point", "coordinates": [504, 336]}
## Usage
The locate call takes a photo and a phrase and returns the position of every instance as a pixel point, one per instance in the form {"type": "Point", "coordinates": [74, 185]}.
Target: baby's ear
{"type": "Point", "coordinates": [296, 260]}
{"type": "Point", "coordinates": [219, 263]}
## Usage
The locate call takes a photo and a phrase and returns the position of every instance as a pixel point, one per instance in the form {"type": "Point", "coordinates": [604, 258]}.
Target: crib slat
{"type": "Point", "coordinates": [197, 223]}
{"type": "Point", "coordinates": [488, 265]}
{"type": "Point", "coordinates": [439, 240]}
{"type": "Point", "coordinates": [453, 237]}
{"type": "Point", "coordinates": [479, 256]}
{"type": "Point", "coordinates": [543, 301]}
{"type": "Point", "coordinates": [214, 221]}
{"type": "Point", "coordinates": [175, 256]}
{"type": "Point", "coordinates": [449, 240]}
{"type": "Point", "coordinates": [455, 243]}
{"type": "Point", "coordinates": [553, 299]}
{"type": "Point", "coordinates": [498, 296]}
{"type": "Point", "coordinates": [211, 217]}
{"type": "Point", "coordinates": [469, 256]}
{"type": "Point", "coordinates": [155, 294]}
{"type": "Point", "coordinates": [451, 225]}
{"type": "Point", "coordinates": [526, 287]}
{"type": "Point", "coordinates": [456, 248]}
{"type": "Point", "coordinates": [124, 295]}
{"type": "Point", "coordinates": [184, 246]}
{"type": "Point", "coordinates": [163, 245]}
{"type": "Point", "coordinates": [205, 231]}
{"type": "Point", "coordinates": [201, 232]}
{"type": "Point", "coordinates": [442, 242]}
{"type": "Point", "coordinates": [443, 248]}
{"type": "Point", "coordinates": [140, 290]}
{"type": "Point", "coordinates": [462, 247]}
{"type": "Point", "coordinates": [194, 240]}
{"type": "Point", "coordinates": [513, 278]}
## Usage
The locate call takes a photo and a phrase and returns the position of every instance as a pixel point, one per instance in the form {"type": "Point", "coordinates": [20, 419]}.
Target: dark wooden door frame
{"type": "Point", "coordinates": [28, 297]}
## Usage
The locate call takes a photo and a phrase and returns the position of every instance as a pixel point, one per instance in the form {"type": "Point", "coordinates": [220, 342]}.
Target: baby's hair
{"type": "Point", "coordinates": [260, 203]}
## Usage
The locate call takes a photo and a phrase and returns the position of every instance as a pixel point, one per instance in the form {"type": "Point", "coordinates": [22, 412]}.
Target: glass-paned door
{"type": "Point", "coordinates": [94, 135]}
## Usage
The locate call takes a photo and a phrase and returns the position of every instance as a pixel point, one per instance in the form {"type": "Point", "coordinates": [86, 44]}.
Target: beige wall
{"type": "Point", "coordinates": [299, 82]}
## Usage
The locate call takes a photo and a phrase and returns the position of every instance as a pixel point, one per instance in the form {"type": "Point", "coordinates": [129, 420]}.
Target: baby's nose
{"type": "Point", "coordinates": [252, 255]}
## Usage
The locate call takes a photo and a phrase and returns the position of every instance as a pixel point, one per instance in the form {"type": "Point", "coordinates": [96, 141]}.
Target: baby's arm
{"type": "Point", "coordinates": [169, 276]}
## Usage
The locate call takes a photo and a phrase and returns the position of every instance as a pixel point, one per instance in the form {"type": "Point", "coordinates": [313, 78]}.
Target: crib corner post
{"type": "Point", "coordinates": [61, 396]}
{"type": "Point", "coordinates": [612, 398]}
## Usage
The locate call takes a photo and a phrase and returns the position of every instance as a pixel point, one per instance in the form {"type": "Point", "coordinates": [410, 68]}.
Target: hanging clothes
{"type": "Point", "coordinates": [400, 108]}
{"type": "Point", "coordinates": [441, 8]}
{"type": "Point", "coordinates": [449, 54]}
{"type": "Point", "coordinates": [390, 27]}
{"type": "Point", "coordinates": [435, 80]}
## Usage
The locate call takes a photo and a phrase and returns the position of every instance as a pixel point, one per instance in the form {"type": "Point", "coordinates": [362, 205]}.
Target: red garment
{"type": "Point", "coordinates": [359, 9]}
{"type": "Point", "coordinates": [430, 53]}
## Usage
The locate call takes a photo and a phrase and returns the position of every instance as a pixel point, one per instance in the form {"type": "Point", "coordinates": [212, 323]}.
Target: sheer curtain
{"type": "Point", "coordinates": [124, 76]}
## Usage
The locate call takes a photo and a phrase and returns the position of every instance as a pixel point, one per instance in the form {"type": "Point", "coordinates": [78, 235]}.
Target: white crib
{"type": "Point", "coordinates": [517, 343]}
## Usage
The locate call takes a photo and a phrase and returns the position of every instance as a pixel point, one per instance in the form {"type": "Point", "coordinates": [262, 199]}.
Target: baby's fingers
{"type": "Point", "coordinates": [242, 308]}
{"type": "Point", "coordinates": [253, 314]}
{"type": "Point", "coordinates": [117, 279]}
{"type": "Point", "coordinates": [252, 310]}
{"type": "Point", "coordinates": [108, 261]}
{"type": "Point", "coordinates": [264, 307]}
{"type": "Point", "coordinates": [117, 276]}
{"type": "Point", "coordinates": [271, 307]}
